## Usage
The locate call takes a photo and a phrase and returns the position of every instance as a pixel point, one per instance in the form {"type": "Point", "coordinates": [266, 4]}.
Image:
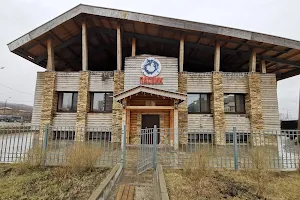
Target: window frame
{"type": "Point", "coordinates": [92, 103]}
{"type": "Point", "coordinates": [72, 106]}
{"type": "Point", "coordinates": [209, 103]}
{"type": "Point", "coordinates": [235, 112]}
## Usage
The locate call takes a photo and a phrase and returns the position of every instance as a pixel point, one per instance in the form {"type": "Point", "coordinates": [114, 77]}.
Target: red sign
{"type": "Point", "coordinates": [144, 80]}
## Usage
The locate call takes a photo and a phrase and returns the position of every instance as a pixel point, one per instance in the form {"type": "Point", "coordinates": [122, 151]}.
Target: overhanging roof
{"type": "Point", "coordinates": [282, 54]}
{"type": "Point", "coordinates": [153, 91]}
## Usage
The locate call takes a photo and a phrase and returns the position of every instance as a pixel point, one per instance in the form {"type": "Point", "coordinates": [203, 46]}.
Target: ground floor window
{"type": "Point", "coordinates": [67, 101]}
{"type": "Point", "coordinates": [101, 101]}
{"type": "Point", "coordinates": [234, 103]}
{"type": "Point", "coordinates": [198, 103]}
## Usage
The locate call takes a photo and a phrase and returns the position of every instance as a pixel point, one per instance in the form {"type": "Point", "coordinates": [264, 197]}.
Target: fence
{"type": "Point", "coordinates": [231, 149]}
{"type": "Point", "coordinates": [20, 143]}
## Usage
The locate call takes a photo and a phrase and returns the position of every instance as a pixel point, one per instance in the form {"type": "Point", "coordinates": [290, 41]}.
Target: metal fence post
{"type": "Point", "coordinates": [45, 143]}
{"type": "Point", "coordinates": [235, 149]}
{"type": "Point", "coordinates": [124, 146]}
{"type": "Point", "coordinates": [154, 146]}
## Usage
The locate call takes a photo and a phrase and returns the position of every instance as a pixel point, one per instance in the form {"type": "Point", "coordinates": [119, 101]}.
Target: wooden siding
{"type": "Point", "coordinates": [62, 119]}
{"type": "Point", "coordinates": [38, 99]}
{"type": "Point", "coordinates": [169, 72]}
{"type": "Point", "coordinates": [199, 82]}
{"type": "Point", "coordinates": [200, 121]}
{"type": "Point", "coordinates": [241, 122]}
{"type": "Point", "coordinates": [270, 102]}
{"type": "Point", "coordinates": [101, 81]}
{"type": "Point", "coordinates": [143, 100]}
{"type": "Point", "coordinates": [67, 81]}
{"type": "Point", "coordinates": [103, 120]}
{"type": "Point", "coordinates": [235, 82]}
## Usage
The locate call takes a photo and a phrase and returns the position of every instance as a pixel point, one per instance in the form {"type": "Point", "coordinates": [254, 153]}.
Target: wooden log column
{"type": "Point", "coordinates": [119, 48]}
{"type": "Point", "coordinates": [84, 47]}
{"type": "Point", "coordinates": [218, 99]}
{"type": "Point", "coordinates": [256, 112]}
{"type": "Point", "coordinates": [181, 54]}
{"type": "Point", "coordinates": [49, 94]}
{"type": "Point", "coordinates": [263, 68]}
{"type": "Point", "coordinates": [299, 112]}
{"type": "Point", "coordinates": [133, 50]}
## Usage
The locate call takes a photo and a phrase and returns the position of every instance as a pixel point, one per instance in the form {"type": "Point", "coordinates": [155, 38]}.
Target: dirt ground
{"type": "Point", "coordinates": [18, 182]}
{"type": "Point", "coordinates": [227, 184]}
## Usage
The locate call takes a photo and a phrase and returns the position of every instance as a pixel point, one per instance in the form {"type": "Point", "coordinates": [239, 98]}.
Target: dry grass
{"type": "Point", "coordinates": [259, 171]}
{"type": "Point", "coordinates": [47, 182]}
{"type": "Point", "coordinates": [228, 184]}
{"type": "Point", "coordinates": [196, 165]}
{"type": "Point", "coordinates": [82, 157]}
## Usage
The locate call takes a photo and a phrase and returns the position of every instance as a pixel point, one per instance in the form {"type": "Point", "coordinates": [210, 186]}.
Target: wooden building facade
{"type": "Point", "coordinates": [110, 68]}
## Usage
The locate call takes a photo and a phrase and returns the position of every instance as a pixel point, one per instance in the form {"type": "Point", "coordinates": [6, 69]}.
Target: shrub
{"type": "Point", "coordinates": [260, 162]}
{"type": "Point", "coordinates": [82, 157]}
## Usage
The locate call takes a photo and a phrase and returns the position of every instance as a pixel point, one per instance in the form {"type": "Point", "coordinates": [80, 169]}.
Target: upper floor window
{"type": "Point", "coordinates": [101, 102]}
{"type": "Point", "coordinates": [67, 101]}
{"type": "Point", "coordinates": [199, 103]}
{"type": "Point", "coordinates": [234, 103]}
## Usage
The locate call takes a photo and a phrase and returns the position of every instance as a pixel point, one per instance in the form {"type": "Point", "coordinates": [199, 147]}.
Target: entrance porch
{"type": "Point", "coordinates": [144, 107]}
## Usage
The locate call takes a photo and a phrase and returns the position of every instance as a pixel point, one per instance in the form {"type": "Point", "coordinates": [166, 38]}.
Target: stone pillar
{"type": "Point", "coordinates": [117, 107]}
{"type": "Point", "coordinates": [182, 110]}
{"type": "Point", "coordinates": [49, 99]}
{"type": "Point", "coordinates": [256, 112]}
{"type": "Point", "coordinates": [218, 108]}
{"type": "Point", "coordinates": [82, 105]}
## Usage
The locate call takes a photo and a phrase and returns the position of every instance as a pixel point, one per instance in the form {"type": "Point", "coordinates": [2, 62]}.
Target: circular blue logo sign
{"type": "Point", "coordinates": [151, 67]}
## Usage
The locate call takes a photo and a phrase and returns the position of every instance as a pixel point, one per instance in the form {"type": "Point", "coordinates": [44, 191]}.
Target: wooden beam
{"type": "Point", "coordinates": [149, 107]}
{"type": "Point", "coordinates": [50, 52]}
{"type": "Point", "coordinates": [262, 65]}
{"type": "Point", "coordinates": [181, 54]}
{"type": "Point", "coordinates": [84, 47]}
{"type": "Point", "coordinates": [279, 60]}
{"type": "Point", "coordinates": [252, 62]}
{"type": "Point", "coordinates": [119, 48]}
{"type": "Point", "coordinates": [217, 57]}
{"type": "Point", "coordinates": [133, 50]}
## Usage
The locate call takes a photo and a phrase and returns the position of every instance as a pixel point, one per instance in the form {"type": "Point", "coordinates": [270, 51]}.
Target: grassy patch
{"type": "Point", "coordinates": [227, 184]}
{"type": "Point", "coordinates": [18, 182]}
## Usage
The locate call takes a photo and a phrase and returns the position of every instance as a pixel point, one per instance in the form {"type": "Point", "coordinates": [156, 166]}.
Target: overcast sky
{"type": "Point", "coordinates": [17, 17]}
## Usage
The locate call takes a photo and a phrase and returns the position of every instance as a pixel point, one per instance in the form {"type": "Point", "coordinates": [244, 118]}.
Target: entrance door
{"type": "Point", "coordinates": [148, 121]}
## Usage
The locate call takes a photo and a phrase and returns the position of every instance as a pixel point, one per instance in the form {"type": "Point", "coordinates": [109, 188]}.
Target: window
{"type": "Point", "coordinates": [234, 103]}
{"type": "Point", "coordinates": [199, 103]}
{"type": "Point", "coordinates": [101, 101]}
{"type": "Point", "coordinates": [67, 101]}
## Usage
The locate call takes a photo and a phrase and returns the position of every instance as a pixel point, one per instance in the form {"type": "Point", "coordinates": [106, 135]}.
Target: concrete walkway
{"type": "Point", "coordinates": [142, 183]}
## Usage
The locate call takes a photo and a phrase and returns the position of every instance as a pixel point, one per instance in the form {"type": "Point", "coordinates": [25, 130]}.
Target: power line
{"type": "Point", "coordinates": [16, 90]}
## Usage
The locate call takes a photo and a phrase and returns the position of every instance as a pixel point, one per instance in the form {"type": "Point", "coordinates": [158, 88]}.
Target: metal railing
{"type": "Point", "coordinates": [20, 143]}
{"type": "Point", "coordinates": [228, 149]}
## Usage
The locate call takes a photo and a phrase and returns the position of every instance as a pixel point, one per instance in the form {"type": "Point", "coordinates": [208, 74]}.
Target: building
{"type": "Point", "coordinates": [6, 111]}
{"type": "Point", "coordinates": [108, 68]}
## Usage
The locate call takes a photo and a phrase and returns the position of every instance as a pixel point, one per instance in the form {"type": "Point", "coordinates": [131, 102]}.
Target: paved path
{"type": "Point", "coordinates": [142, 183]}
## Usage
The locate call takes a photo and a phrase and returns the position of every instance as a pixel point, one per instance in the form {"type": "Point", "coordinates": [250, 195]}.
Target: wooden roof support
{"type": "Point", "coordinates": [50, 52]}
{"type": "Point", "coordinates": [119, 48]}
{"type": "Point", "coordinates": [262, 65]}
{"type": "Point", "coordinates": [252, 62]}
{"type": "Point", "coordinates": [133, 50]}
{"type": "Point", "coordinates": [84, 47]}
{"type": "Point", "coordinates": [181, 54]}
{"type": "Point", "coordinates": [299, 112]}
{"type": "Point", "coordinates": [217, 57]}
